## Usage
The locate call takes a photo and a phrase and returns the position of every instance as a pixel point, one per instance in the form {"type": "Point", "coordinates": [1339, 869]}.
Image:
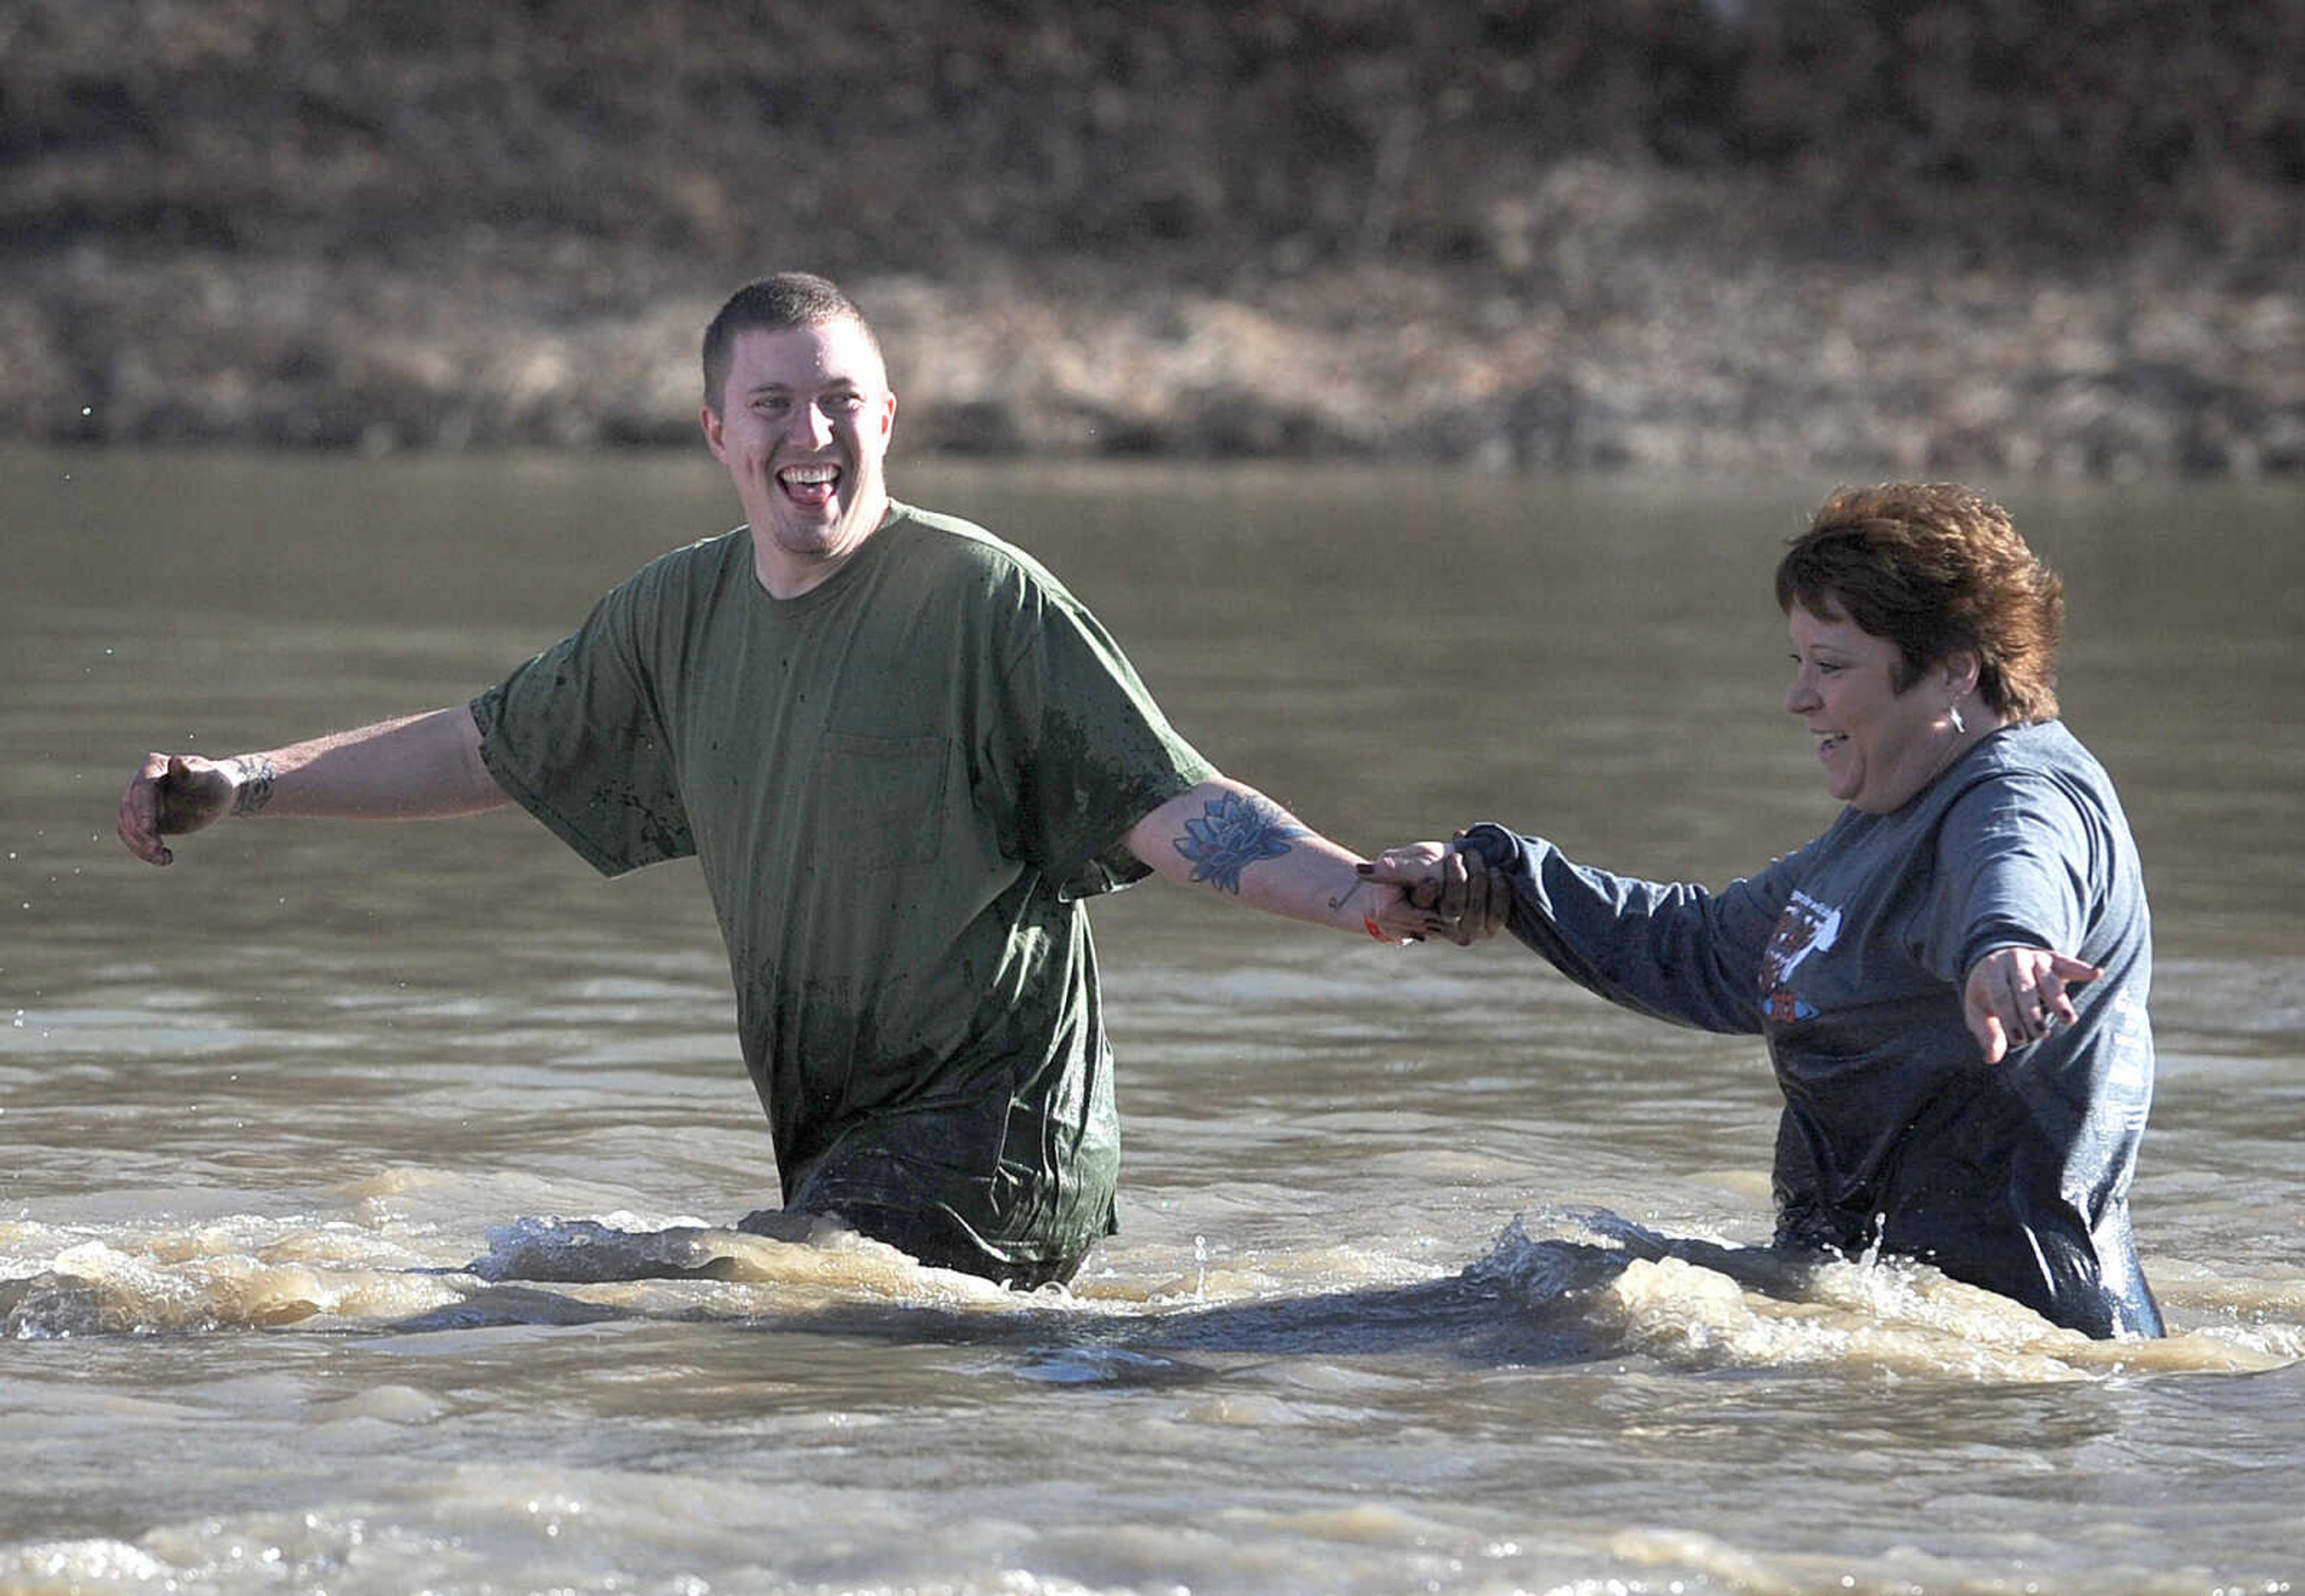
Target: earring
{"type": "Point", "coordinates": [1959, 728]}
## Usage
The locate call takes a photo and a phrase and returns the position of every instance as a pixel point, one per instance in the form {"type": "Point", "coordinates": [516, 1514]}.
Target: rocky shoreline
{"type": "Point", "coordinates": [1960, 237]}
{"type": "Point", "coordinates": [1653, 365]}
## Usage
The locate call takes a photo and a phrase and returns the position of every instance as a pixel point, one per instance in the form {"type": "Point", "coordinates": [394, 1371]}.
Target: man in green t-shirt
{"type": "Point", "coordinates": [903, 755]}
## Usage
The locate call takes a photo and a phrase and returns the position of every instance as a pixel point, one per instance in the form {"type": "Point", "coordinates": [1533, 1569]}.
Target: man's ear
{"type": "Point", "coordinates": [709, 420]}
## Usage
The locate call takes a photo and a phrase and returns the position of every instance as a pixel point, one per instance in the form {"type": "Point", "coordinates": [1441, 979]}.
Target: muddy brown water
{"type": "Point", "coordinates": [364, 1190]}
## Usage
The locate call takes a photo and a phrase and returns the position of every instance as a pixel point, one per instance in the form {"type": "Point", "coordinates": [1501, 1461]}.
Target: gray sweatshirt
{"type": "Point", "coordinates": [1849, 956]}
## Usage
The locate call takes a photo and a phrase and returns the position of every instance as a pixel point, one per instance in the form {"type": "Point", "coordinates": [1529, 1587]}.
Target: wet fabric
{"type": "Point", "coordinates": [1848, 957]}
{"type": "Point", "coordinates": [900, 786]}
{"type": "Point", "coordinates": [935, 1237]}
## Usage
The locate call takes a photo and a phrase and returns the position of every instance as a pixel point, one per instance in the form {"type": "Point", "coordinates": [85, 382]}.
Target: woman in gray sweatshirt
{"type": "Point", "coordinates": [1952, 978]}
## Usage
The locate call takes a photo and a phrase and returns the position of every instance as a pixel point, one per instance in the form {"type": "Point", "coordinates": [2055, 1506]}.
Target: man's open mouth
{"type": "Point", "coordinates": [811, 484]}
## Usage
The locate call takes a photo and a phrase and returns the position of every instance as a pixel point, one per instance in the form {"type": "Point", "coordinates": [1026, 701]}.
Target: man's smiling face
{"type": "Point", "coordinates": [803, 426]}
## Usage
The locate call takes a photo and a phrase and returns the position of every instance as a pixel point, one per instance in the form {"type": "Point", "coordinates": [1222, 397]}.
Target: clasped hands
{"type": "Point", "coordinates": [1446, 890]}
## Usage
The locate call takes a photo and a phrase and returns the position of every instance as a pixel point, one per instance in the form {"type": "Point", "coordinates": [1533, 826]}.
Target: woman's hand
{"type": "Point", "coordinates": [1463, 898]}
{"type": "Point", "coordinates": [2016, 995]}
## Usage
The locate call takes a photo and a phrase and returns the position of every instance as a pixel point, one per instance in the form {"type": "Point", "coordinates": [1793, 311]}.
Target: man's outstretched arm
{"type": "Point", "coordinates": [1225, 836]}
{"type": "Point", "coordinates": [419, 768]}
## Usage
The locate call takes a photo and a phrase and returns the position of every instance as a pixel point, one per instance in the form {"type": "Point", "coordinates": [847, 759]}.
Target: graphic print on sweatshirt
{"type": "Point", "coordinates": [1806, 927]}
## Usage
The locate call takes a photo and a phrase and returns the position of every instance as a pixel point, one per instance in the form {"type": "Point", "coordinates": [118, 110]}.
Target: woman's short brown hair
{"type": "Point", "coordinates": [1935, 568]}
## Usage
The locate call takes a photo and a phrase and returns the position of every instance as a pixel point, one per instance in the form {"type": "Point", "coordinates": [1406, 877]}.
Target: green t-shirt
{"type": "Point", "coordinates": [899, 786]}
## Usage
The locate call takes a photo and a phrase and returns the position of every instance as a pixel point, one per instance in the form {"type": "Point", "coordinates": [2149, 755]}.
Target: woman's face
{"type": "Point", "coordinates": [1878, 746]}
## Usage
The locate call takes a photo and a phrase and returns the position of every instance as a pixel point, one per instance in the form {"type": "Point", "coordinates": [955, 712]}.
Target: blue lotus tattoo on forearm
{"type": "Point", "coordinates": [1232, 833]}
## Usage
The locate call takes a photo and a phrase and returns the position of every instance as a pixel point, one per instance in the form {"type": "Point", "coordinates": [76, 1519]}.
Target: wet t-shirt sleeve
{"type": "Point", "coordinates": [2020, 869]}
{"type": "Point", "coordinates": [1673, 950]}
{"type": "Point", "coordinates": [1091, 752]}
{"type": "Point", "coordinates": [576, 737]}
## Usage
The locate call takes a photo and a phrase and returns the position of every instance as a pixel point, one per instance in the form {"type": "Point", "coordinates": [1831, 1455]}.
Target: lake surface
{"type": "Point", "coordinates": [364, 1189]}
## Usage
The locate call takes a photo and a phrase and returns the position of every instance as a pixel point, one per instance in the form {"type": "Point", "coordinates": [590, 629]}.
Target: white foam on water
{"type": "Point", "coordinates": [1622, 1287]}
{"type": "Point", "coordinates": [1706, 1562]}
{"type": "Point", "coordinates": [2259, 1309]}
{"type": "Point", "coordinates": [67, 1568]}
{"type": "Point", "coordinates": [247, 1271]}
{"type": "Point", "coordinates": [1890, 1315]}
{"type": "Point", "coordinates": [1688, 1315]}
{"type": "Point", "coordinates": [537, 1528]}
{"type": "Point", "coordinates": [244, 1272]}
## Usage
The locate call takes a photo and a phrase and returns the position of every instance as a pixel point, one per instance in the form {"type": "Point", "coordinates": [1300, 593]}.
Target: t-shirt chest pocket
{"type": "Point", "coordinates": [885, 796]}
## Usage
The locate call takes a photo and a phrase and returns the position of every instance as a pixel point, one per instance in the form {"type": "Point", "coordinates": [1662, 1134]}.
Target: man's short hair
{"type": "Point", "coordinates": [775, 305]}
